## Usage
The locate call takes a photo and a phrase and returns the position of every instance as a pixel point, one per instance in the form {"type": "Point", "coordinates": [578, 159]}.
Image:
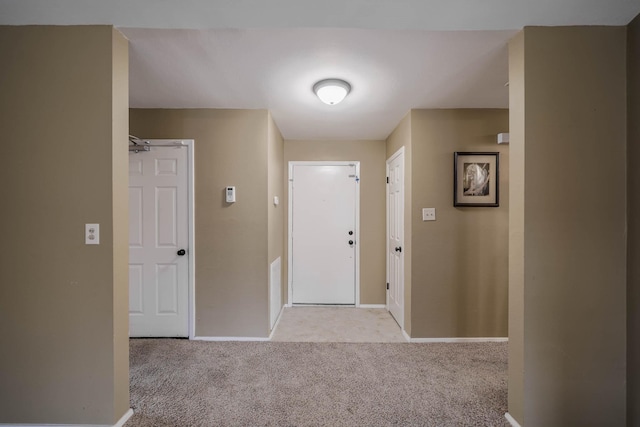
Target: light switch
{"type": "Point", "coordinates": [276, 200]}
{"type": "Point", "coordinates": [429, 214]}
{"type": "Point", "coordinates": [92, 234]}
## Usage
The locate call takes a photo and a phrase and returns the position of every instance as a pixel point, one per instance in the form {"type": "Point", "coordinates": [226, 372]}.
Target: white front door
{"type": "Point", "coordinates": [324, 238]}
{"type": "Point", "coordinates": [158, 242]}
{"type": "Point", "coordinates": [395, 236]}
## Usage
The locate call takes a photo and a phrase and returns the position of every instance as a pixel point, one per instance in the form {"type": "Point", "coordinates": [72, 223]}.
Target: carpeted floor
{"type": "Point", "coordinates": [195, 383]}
{"type": "Point", "coordinates": [337, 324]}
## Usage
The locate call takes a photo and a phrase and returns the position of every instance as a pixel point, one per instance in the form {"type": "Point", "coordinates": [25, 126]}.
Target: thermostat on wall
{"type": "Point", "coordinates": [231, 194]}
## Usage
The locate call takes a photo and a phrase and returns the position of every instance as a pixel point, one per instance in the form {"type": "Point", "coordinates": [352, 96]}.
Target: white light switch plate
{"type": "Point", "coordinates": [92, 234]}
{"type": "Point", "coordinates": [429, 214]}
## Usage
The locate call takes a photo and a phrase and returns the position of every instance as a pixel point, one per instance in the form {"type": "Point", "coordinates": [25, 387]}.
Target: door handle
{"type": "Point", "coordinates": [351, 242]}
{"type": "Point", "coordinates": [398, 248]}
{"type": "Point", "coordinates": [181, 252]}
{"type": "Point", "coordinates": [350, 233]}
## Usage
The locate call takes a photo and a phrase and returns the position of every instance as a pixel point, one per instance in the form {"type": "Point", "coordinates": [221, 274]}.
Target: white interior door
{"type": "Point", "coordinates": [158, 235]}
{"type": "Point", "coordinates": [395, 236]}
{"type": "Point", "coordinates": [323, 221]}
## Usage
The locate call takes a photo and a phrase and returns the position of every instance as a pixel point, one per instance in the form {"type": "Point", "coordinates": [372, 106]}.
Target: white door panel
{"type": "Point", "coordinates": [135, 217]}
{"type": "Point", "coordinates": [395, 236]}
{"type": "Point", "coordinates": [323, 213]}
{"type": "Point", "coordinates": [135, 289]}
{"type": "Point", "coordinates": [158, 229]}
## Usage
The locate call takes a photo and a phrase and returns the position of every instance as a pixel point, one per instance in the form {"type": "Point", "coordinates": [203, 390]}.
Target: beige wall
{"type": "Point", "coordinates": [452, 289]}
{"type": "Point", "coordinates": [232, 247]}
{"type": "Point", "coordinates": [574, 208]}
{"type": "Point", "coordinates": [516, 226]}
{"type": "Point", "coordinates": [63, 115]}
{"type": "Point", "coordinates": [401, 137]}
{"type": "Point", "coordinates": [460, 261]}
{"type": "Point", "coordinates": [276, 189]}
{"type": "Point", "coordinates": [633, 215]}
{"type": "Point", "coordinates": [371, 155]}
{"type": "Point", "coordinates": [120, 200]}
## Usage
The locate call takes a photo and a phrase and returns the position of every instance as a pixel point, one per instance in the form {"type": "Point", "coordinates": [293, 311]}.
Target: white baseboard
{"type": "Point", "coordinates": [511, 420]}
{"type": "Point", "coordinates": [325, 305]}
{"type": "Point", "coordinates": [456, 340]}
{"type": "Point", "coordinates": [120, 423]}
{"type": "Point", "coordinates": [339, 305]}
{"type": "Point", "coordinates": [231, 338]}
{"type": "Point", "coordinates": [124, 418]}
{"type": "Point", "coordinates": [406, 336]}
{"type": "Point", "coordinates": [277, 322]}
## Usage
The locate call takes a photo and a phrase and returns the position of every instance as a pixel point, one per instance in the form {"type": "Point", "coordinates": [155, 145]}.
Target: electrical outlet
{"type": "Point", "coordinates": [429, 214]}
{"type": "Point", "coordinates": [92, 234]}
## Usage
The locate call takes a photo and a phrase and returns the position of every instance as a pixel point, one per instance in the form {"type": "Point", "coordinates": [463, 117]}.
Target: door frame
{"type": "Point", "coordinates": [290, 224]}
{"type": "Point", "coordinates": [398, 153]}
{"type": "Point", "coordinates": [189, 145]}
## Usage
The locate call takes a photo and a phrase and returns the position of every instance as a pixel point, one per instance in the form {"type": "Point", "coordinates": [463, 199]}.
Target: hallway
{"type": "Point", "coordinates": [337, 324]}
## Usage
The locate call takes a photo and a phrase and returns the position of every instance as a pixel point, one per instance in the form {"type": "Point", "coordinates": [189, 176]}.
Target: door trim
{"type": "Point", "coordinates": [191, 298]}
{"type": "Point", "coordinates": [290, 224]}
{"type": "Point", "coordinates": [398, 153]}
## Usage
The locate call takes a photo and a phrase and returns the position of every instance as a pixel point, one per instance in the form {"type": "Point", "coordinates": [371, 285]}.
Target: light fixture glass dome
{"type": "Point", "coordinates": [331, 91]}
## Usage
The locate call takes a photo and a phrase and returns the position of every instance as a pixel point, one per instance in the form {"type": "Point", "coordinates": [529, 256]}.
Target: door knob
{"type": "Point", "coordinates": [181, 252]}
{"type": "Point", "coordinates": [399, 249]}
{"type": "Point", "coordinates": [350, 233]}
{"type": "Point", "coordinates": [351, 242]}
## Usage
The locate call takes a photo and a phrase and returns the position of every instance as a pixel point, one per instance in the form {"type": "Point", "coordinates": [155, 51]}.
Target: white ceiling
{"type": "Point", "coordinates": [390, 72]}
{"type": "Point", "coordinates": [397, 55]}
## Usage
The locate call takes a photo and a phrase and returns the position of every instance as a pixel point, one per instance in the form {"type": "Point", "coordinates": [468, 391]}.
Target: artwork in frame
{"type": "Point", "coordinates": [476, 179]}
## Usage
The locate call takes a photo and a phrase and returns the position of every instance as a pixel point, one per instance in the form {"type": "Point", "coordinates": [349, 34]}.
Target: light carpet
{"type": "Point", "coordinates": [194, 383]}
{"type": "Point", "coordinates": [337, 324]}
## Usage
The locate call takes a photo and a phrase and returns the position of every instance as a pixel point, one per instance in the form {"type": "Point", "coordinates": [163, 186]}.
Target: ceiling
{"type": "Point", "coordinates": [256, 54]}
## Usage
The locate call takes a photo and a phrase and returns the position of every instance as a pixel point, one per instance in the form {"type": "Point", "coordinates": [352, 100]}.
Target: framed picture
{"type": "Point", "coordinates": [475, 179]}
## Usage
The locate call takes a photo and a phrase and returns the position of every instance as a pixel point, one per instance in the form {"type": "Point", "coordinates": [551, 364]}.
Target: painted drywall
{"type": "Point", "coordinates": [120, 207]}
{"type": "Point", "coordinates": [276, 186]}
{"type": "Point", "coordinates": [231, 277]}
{"type": "Point", "coordinates": [401, 137]}
{"type": "Point", "coordinates": [516, 227]}
{"type": "Point", "coordinates": [633, 215]}
{"type": "Point", "coordinates": [460, 261]}
{"type": "Point", "coordinates": [371, 155]}
{"type": "Point", "coordinates": [452, 288]}
{"type": "Point", "coordinates": [574, 234]}
{"type": "Point", "coordinates": [63, 115]}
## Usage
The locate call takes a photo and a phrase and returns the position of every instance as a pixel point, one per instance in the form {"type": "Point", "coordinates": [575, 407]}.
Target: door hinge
{"type": "Point", "coordinates": [387, 180]}
{"type": "Point", "coordinates": [387, 286]}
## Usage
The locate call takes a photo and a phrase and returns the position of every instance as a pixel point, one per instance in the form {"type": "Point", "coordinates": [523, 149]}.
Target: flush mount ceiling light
{"type": "Point", "coordinates": [331, 91]}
